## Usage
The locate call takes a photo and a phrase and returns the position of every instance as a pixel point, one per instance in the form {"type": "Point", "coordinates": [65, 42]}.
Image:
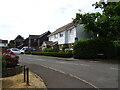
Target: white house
{"type": "Point", "coordinates": [67, 34]}
{"type": "Point", "coordinates": [3, 43]}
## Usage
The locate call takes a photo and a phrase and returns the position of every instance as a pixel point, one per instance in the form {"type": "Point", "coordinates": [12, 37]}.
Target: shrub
{"type": "Point", "coordinates": [91, 48]}
{"type": "Point", "coordinates": [117, 49]}
{"type": "Point", "coordinates": [68, 50]}
{"type": "Point", "coordinates": [55, 54]}
{"type": "Point", "coordinates": [10, 58]}
{"type": "Point", "coordinates": [47, 49]}
{"type": "Point", "coordinates": [64, 47]}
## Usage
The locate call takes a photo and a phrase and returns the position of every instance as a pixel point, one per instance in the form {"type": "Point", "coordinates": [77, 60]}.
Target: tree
{"type": "Point", "coordinates": [107, 24]}
{"type": "Point", "coordinates": [89, 20]}
{"type": "Point", "coordinates": [11, 44]}
{"type": "Point", "coordinates": [19, 37]}
{"type": "Point", "coordinates": [18, 41]}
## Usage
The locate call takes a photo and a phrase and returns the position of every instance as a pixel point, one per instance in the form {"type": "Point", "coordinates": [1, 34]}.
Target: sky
{"type": "Point", "coordinates": [34, 17]}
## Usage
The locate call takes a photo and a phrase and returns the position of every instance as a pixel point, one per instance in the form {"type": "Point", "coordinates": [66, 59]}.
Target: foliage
{"type": "Point", "coordinates": [105, 24]}
{"type": "Point", "coordinates": [10, 58]}
{"type": "Point", "coordinates": [54, 54]}
{"type": "Point", "coordinates": [117, 49]}
{"type": "Point", "coordinates": [92, 48]}
{"type": "Point", "coordinates": [64, 47]}
{"type": "Point", "coordinates": [19, 37]}
{"type": "Point", "coordinates": [68, 50]}
{"type": "Point", "coordinates": [47, 49]}
{"type": "Point", "coordinates": [11, 44]}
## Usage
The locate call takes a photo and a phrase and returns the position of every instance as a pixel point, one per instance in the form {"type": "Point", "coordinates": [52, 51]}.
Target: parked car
{"type": "Point", "coordinates": [23, 50]}
{"type": "Point", "coordinates": [30, 49]}
{"type": "Point", "coordinates": [15, 50]}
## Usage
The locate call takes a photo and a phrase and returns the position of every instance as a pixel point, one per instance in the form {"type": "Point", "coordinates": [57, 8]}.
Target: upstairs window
{"type": "Point", "coordinates": [56, 36]}
{"type": "Point", "coordinates": [70, 30]}
{"type": "Point", "coordinates": [61, 34]}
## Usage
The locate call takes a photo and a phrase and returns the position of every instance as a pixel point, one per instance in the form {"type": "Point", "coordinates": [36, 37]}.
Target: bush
{"type": "Point", "coordinates": [10, 58]}
{"type": "Point", "coordinates": [117, 49]}
{"type": "Point", "coordinates": [92, 48]}
{"type": "Point", "coordinates": [55, 54]}
{"type": "Point", "coordinates": [47, 49]}
{"type": "Point", "coordinates": [68, 50]}
{"type": "Point", "coordinates": [64, 47]}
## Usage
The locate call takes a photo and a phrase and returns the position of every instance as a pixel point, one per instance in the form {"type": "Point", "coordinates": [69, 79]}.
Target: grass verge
{"type": "Point", "coordinates": [17, 81]}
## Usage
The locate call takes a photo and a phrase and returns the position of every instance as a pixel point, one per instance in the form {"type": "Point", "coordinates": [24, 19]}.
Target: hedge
{"type": "Point", "coordinates": [54, 54]}
{"type": "Point", "coordinates": [92, 48]}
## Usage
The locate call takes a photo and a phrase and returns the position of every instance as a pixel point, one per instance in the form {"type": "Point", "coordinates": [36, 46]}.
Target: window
{"type": "Point", "coordinates": [61, 34]}
{"type": "Point", "coordinates": [34, 40]}
{"type": "Point", "coordinates": [5, 44]}
{"type": "Point", "coordinates": [70, 30]}
{"type": "Point", "coordinates": [55, 36]}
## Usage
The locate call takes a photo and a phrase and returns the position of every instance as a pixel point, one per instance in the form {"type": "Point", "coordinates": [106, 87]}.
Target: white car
{"type": "Point", "coordinates": [15, 50]}
{"type": "Point", "coordinates": [23, 50]}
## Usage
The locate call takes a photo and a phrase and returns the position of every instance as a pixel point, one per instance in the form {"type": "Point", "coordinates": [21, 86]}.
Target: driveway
{"type": "Point", "coordinates": [73, 72]}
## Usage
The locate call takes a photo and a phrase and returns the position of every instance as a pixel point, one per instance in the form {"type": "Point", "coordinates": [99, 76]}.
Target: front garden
{"type": "Point", "coordinates": [9, 63]}
{"type": "Point", "coordinates": [94, 48]}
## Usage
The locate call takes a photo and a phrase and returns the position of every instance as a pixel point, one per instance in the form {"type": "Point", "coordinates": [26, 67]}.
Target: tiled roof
{"type": "Point", "coordinates": [38, 36]}
{"type": "Point", "coordinates": [44, 34]}
{"type": "Point", "coordinates": [34, 36]}
{"type": "Point", "coordinates": [63, 28]}
{"type": "Point", "coordinates": [3, 41]}
{"type": "Point", "coordinates": [50, 43]}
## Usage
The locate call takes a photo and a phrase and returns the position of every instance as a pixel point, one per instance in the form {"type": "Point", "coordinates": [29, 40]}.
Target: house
{"type": "Point", "coordinates": [67, 34]}
{"type": "Point", "coordinates": [50, 44]}
{"type": "Point", "coordinates": [35, 41]}
{"type": "Point", "coordinates": [18, 42]}
{"type": "Point", "coordinates": [3, 43]}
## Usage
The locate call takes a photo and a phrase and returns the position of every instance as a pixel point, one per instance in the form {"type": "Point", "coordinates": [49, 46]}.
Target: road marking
{"type": "Point", "coordinates": [84, 65]}
{"type": "Point", "coordinates": [37, 59]}
{"type": "Point", "coordinates": [93, 61]}
{"type": "Point", "coordinates": [62, 62]}
{"type": "Point", "coordinates": [71, 76]}
{"type": "Point", "coordinates": [114, 68]}
{"type": "Point", "coordinates": [29, 58]}
{"type": "Point", "coordinates": [40, 59]}
{"type": "Point", "coordinates": [74, 63]}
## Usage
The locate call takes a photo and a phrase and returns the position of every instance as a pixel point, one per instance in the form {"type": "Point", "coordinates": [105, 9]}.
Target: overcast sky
{"type": "Point", "coordinates": [25, 17]}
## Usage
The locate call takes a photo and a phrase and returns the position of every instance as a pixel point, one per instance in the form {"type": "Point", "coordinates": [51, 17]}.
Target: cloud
{"type": "Point", "coordinates": [26, 17]}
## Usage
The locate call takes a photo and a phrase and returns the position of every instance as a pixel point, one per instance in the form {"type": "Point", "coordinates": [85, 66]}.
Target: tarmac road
{"type": "Point", "coordinates": [70, 73]}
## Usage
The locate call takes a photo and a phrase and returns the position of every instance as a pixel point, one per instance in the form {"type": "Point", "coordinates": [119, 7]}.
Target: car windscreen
{"type": "Point", "coordinates": [15, 49]}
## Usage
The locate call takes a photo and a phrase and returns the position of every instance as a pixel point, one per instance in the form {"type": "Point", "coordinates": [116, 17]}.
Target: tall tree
{"type": "Point", "coordinates": [107, 24]}
{"type": "Point", "coordinates": [11, 44]}
{"type": "Point", "coordinates": [19, 37]}
{"type": "Point", "coordinates": [18, 41]}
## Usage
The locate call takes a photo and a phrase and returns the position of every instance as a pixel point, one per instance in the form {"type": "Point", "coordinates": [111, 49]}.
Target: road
{"type": "Point", "coordinates": [95, 73]}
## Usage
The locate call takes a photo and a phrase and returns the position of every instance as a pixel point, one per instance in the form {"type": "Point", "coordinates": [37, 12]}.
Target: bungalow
{"type": "Point", "coordinates": [67, 34]}
{"type": "Point", "coordinates": [3, 43]}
